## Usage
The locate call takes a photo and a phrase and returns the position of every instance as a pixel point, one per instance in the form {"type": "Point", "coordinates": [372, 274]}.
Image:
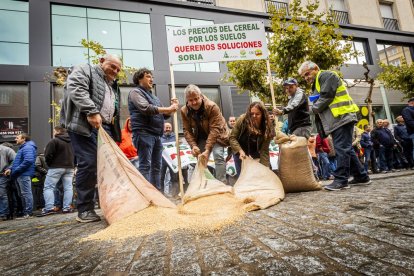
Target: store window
{"type": "Point", "coordinates": [171, 21]}
{"type": "Point", "coordinates": [393, 54]}
{"type": "Point", "coordinates": [14, 111]}
{"type": "Point", "coordinates": [361, 48]}
{"type": "Point", "coordinates": [125, 34]}
{"type": "Point", "coordinates": [14, 30]}
{"type": "Point", "coordinates": [212, 93]}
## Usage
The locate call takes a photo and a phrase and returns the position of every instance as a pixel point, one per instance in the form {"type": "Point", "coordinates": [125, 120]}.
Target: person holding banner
{"type": "Point", "coordinates": [251, 135]}
{"type": "Point", "coordinates": [205, 128]}
{"type": "Point", "coordinates": [147, 122]}
{"type": "Point", "coordinates": [336, 112]}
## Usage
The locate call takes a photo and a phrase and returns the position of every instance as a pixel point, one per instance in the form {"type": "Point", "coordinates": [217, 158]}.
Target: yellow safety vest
{"type": "Point", "coordinates": [342, 103]}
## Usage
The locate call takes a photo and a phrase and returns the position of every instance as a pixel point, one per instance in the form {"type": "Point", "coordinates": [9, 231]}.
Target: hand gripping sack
{"type": "Point", "coordinates": [122, 189]}
{"type": "Point", "coordinates": [258, 186]}
{"type": "Point", "coordinates": [203, 184]}
{"type": "Point", "coordinates": [295, 166]}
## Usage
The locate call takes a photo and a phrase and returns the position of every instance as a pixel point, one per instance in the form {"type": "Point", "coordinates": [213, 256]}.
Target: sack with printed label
{"type": "Point", "coordinates": [295, 166]}
{"type": "Point", "coordinates": [122, 189]}
{"type": "Point", "coordinates": [258, 187]}
{"type": "Point", "coordinates": [203, 184]}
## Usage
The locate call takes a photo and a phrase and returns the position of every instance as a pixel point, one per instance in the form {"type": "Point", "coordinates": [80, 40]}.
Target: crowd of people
{"type": "Point", "coordinates": [92, 100]}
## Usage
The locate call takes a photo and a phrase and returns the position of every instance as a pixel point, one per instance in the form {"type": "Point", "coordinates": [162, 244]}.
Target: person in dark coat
{"type": "Point", "coordinates": [408, 115]}
{"type": "Point", "coordinates": [404, 140]}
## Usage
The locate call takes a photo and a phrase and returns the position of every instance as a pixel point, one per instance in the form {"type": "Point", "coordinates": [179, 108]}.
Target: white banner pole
{"type": "Point", "coordinates": [177, 143]}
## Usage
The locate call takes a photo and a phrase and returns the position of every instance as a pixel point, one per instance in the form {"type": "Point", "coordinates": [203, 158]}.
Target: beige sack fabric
{"type": "Point", "coordinates": [122, 189]}
{"type": "Point", "coordinates": [295, 167]}
{"type": "Point", "coordinates": [203, 184]}
{"type": "Point", "coordinates": [258, 186]}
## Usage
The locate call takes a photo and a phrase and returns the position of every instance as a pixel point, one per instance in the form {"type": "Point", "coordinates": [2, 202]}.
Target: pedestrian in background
{"type": "Point", "coordinates": [408, 115]}
{"type": "Point", "coordinates": [22, 169]}
{"type": "Point", "coordinates": [402, 136]}
{"type": "Point", "coordinates": [59, 158]}
{"type": "Point", "coordinates": [367, 145]}
{"type": "Point", "coordinates": [126, 144]}
{"type": "Point", "coordinates": [7, 156]}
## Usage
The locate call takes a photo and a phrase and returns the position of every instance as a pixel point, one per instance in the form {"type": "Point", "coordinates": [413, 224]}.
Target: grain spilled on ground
{"type": "Point", "coordinates": [202, 215]}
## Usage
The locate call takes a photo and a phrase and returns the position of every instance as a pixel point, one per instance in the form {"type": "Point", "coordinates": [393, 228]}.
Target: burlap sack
{"type": "Point", "coordinates": [295, 166]}
{"type": "Point", "coordinates": [258, 186]}
{"type": "Point", "coordinates": [122, 189]}
{"type": "Point", "coordinates": [203, 184]}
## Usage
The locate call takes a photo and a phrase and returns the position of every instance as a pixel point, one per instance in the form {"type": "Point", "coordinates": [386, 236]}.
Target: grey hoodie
{"type": "Point", "coordinates": [7, 156]}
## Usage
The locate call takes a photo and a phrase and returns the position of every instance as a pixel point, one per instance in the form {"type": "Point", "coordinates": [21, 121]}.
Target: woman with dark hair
{"type": "Point", "coordinates": [251, 135]}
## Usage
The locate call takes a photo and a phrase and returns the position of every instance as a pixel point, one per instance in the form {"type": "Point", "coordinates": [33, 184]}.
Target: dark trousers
{"type": "Point", "coordinates": [149, 148]}
{"type": "Point", "coordinates": [407, 146]}
{"type": "Point", "coordinates": [386, 157]}
{"type": "Point", "coordinates": [347, 160]}
{"type": "Point", "coordinates": [85, 151]}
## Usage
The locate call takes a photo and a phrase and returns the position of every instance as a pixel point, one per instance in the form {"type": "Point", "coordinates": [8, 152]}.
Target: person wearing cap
{"type": "Point", "coordinates": [335, 114]}
{"type": "Point", "coordinates": [408, 116]}
{"type": "Point", "coordinates": [297, 109]}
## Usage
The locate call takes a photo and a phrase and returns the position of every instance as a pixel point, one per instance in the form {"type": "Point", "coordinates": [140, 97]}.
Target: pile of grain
{"type": "Point", "coordinates": [202, 215]}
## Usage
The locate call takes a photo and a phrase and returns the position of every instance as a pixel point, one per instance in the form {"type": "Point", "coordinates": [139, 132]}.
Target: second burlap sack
{"type": "Point", "coordinates": [295, 166]}
{"type": "Point", "coordinates": [258, 187]}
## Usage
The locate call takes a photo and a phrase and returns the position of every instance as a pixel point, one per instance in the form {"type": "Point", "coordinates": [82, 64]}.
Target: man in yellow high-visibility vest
{"type": "Point", "coordinates": [335, 114]}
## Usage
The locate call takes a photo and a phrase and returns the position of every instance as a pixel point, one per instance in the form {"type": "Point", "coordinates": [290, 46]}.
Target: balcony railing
{"type": "Point", "coordinates": [205, 2]}
{"type": "Point", "coordinates": [390, 24]}
{"type": "Point", "coordinates": [279, 6]}
{"type": "Point", "coordinates": [340, 16]}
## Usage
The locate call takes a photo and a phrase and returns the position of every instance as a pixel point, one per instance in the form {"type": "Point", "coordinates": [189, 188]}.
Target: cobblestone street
{"type": "Point", "coordinates": [363, 230]}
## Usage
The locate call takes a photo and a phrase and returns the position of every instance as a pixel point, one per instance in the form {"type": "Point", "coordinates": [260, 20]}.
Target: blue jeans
{"type": "Point", "coordinates": [324, 164]}
{"type": "Point", "coordinates": [347, 161]}
{"type": "Point", "coordinates": [25, 188]}
{"type": "Point", "coordinates": [332, 163]}
{"type": "Point", "coordinates": [52, 178]}
{"type": "Point", "coordinates": [150, 153]}
{"type": "Point", "coordinates": [367, 157]}
{"type": "Point", "coordinates": [4, 201]}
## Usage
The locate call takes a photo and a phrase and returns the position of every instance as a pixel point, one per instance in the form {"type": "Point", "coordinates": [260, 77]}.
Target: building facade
{"type": "Point", "coordinates": [38, 35]}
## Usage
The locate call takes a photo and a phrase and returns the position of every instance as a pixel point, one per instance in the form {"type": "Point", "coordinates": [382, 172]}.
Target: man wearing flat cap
{"type": "Point", "coordinates": [297, 109]}
{"type": "Point", "coordinates": [408, 116]}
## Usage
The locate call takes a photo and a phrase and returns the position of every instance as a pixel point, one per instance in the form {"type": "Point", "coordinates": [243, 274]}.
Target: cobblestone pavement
{"type": "Point", "coordinates": [363, 230]}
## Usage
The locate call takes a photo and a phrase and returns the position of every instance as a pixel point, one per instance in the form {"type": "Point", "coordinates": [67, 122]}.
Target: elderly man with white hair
{"type": "Point", "coordinates": [205, 128]}
{"type": "Point", "coordinates": [335, 114]}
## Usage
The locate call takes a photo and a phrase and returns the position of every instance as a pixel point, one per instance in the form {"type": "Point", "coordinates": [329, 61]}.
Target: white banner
{"type": "Point", "coordinates": [219, 42]}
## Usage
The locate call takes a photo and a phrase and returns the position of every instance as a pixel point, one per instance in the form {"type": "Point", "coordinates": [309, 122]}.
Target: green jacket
{"type": "Point", "coordinates": [236, 134]}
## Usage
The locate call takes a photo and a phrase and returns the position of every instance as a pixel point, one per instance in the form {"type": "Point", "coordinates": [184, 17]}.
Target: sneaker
{"type": "Point", "coordinates": [46, 212]}
{"type": "Point", "coordinates": [67, 210]}
{"type": "Point", "coordinates": [334, 186]}
{"type": "Point", "coordinates": [88, 216]}
{"type": "Point", "coordinates": [27, 216]}
{"type": "Point", "coordinates": [383, 171]}
{"type": "Point", "coordinates": [360, 182]}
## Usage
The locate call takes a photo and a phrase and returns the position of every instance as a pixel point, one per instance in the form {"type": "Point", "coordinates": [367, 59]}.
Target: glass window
{"type": "Point", "coordinates": [14, 30]}
{"type": "Point", "coordinates": [360, 47]}
{"type": "Point", "coordinates": [14, 114]}
{"type": "Point", "coordinates": [106, 32]}
{"type": "Point", "coordinates": [135, 17]}
{"type": "Point", "coordinates": [125, 34]}
{"type": "Point", "coordinates": [68, 31]}
{"type": "Point", "coordinates": [136, 36]}
{"type": "Point", "coordinates": [138, 59]}
{"type": "Point", "coordinates": [69, 56]}
{"type": "Point", "coordinates": [14, 26]}
{"type": "Point", "coordinates": [14, 5]}
{"type": "Point", "coordinates": [394, 54]}
{"type": "Point", "coordinates": [212, 93]}
{"type": "Point", "coordinates": [68, 10]}
{"type": "Point", "coordinates": [386, 11]}
{"type": "Point", "coordinates": [172, 21]}
{"type": "Point", "coordinates": [103, 14]}
{"type": "Point", "coordinates": [337, 5]}
{"type": "Point", "coordinates": [14, 53]}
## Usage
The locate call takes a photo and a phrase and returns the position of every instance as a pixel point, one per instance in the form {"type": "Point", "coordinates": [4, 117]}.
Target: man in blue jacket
{"type": "Point", "coordinates": [408, 115]}
{"type": "Point", "coordinates": [22, 170]}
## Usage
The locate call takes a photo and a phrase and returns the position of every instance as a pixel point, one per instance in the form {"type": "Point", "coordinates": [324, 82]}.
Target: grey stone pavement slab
{"type": "Point", "coordinates": [364, 230]}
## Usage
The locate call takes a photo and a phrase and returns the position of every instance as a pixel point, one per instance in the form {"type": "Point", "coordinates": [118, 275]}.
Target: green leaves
{"type": "Point", "coordinates": [301, 36]}
{"type": "Point", "coordinates": [398, 78]}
